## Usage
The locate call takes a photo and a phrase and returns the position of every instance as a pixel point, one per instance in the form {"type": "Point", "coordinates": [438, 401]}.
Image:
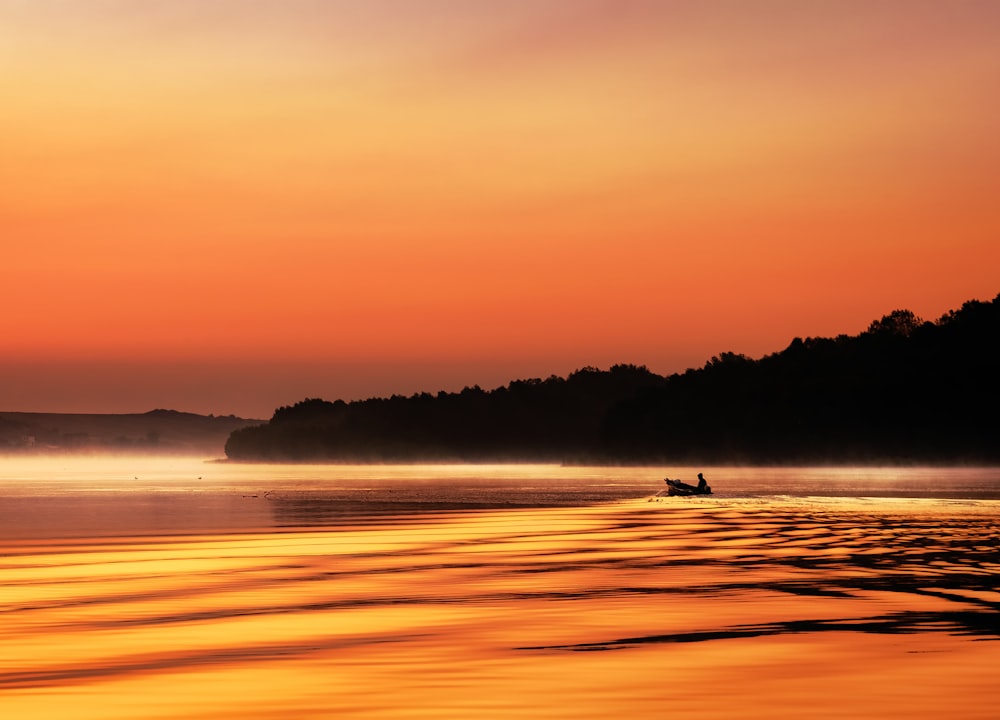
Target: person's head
{"type": "Point", "coordinates": [700, 477]}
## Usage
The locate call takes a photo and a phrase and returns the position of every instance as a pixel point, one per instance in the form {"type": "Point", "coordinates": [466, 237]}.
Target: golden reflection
{"type": "Point", "coordinates": [702, 610]}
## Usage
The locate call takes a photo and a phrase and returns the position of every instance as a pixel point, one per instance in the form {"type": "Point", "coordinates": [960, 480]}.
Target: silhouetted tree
{"type": "Point", "coordinates": [904, 389]}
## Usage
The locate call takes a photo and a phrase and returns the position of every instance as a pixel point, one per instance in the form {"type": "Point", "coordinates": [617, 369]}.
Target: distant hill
{"type": "Point", "coordinates": [157, 431]}
{"type": "Point", "coordinates": [905, 390]}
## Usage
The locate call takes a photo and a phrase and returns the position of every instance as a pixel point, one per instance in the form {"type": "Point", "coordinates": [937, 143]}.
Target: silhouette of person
{"type": "Point", "coordinates": [703, 484]}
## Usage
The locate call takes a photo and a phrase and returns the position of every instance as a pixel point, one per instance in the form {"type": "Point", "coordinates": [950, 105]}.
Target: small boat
{"type": "Point", "coordinates": [677, 487]}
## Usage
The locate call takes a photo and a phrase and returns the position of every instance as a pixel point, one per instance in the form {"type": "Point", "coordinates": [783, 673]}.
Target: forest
{"type": "Point", "coordinates": [905, 390]}
{"type": "Point", "coordinates": [158, 432]}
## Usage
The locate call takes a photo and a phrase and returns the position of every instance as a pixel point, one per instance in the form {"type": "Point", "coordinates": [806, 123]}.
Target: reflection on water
{"type": "Point", "coordinates": [89, 497]}
{"type": "Point", "coordinates": [286, 595]}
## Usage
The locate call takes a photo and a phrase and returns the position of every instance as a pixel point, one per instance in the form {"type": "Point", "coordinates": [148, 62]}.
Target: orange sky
{"type": "Point", "coordinates": [224, 205]}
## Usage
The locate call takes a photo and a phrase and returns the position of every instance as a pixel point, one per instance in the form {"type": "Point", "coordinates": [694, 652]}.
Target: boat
{"type": "Point", "coordinates": [678, 487]}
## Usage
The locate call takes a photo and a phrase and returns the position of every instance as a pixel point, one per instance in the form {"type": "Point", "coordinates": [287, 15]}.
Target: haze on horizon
{"type": "Point", "coordinates": [223, 207]}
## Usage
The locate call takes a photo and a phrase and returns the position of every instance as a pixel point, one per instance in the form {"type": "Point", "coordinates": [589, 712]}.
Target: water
{"type": "Point", "coordinates": [175, 588]}
{"type": "Point", "coordinates": [88, 496]}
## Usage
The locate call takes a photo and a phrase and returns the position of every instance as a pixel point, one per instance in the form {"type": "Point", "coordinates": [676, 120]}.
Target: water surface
{"type": "Point", "coordinates": [180, 589]}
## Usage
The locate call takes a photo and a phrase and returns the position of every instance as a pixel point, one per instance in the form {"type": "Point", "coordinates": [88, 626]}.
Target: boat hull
{"type": "Point", "coordinates": [676, 487]}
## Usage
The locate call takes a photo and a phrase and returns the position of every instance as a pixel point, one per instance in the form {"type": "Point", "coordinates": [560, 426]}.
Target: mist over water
{"type": "Point", "coordinates": [179, 589]}
{"type": "Point", "coordinates": [93, 496]}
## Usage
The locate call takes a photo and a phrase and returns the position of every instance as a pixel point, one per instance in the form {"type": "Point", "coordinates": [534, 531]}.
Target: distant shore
{"type": "Point", "coordinates": [905, 391]}
{"type": "Point", "coordinates": [158, 432]}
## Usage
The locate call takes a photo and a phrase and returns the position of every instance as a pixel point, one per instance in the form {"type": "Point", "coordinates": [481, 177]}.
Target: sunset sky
{"type": "Point", "coordinates": [223, 206]}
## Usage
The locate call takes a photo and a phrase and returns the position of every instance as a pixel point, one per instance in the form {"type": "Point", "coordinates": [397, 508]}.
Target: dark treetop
{"type": "Point", "coordinates": [904, 390]}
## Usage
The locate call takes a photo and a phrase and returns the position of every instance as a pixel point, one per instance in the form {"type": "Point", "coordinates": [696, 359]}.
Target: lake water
{"type": "Point", "coordinates": [175, 588]}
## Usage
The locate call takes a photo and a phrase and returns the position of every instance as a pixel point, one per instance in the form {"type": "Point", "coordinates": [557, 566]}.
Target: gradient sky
{"type": "Point", "coordinates": [223, 206]}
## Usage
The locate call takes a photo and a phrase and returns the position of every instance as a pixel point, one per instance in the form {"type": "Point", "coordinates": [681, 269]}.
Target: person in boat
{"type": "Point", "coordinates": [679, 487]}
{"type": "Point", "coordinates": [703, 484]}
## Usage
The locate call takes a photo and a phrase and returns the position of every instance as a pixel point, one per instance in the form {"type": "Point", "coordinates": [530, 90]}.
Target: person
{"type": "Point", "coordinates": [703, 484]}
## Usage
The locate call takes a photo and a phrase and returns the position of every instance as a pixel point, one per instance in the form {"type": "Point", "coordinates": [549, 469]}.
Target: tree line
{"type": "Point", "coordinates": [904, 390]}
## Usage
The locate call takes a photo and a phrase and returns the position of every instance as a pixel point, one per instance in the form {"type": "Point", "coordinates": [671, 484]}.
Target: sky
{"type": "Point", "coordinates": [225, 206]}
